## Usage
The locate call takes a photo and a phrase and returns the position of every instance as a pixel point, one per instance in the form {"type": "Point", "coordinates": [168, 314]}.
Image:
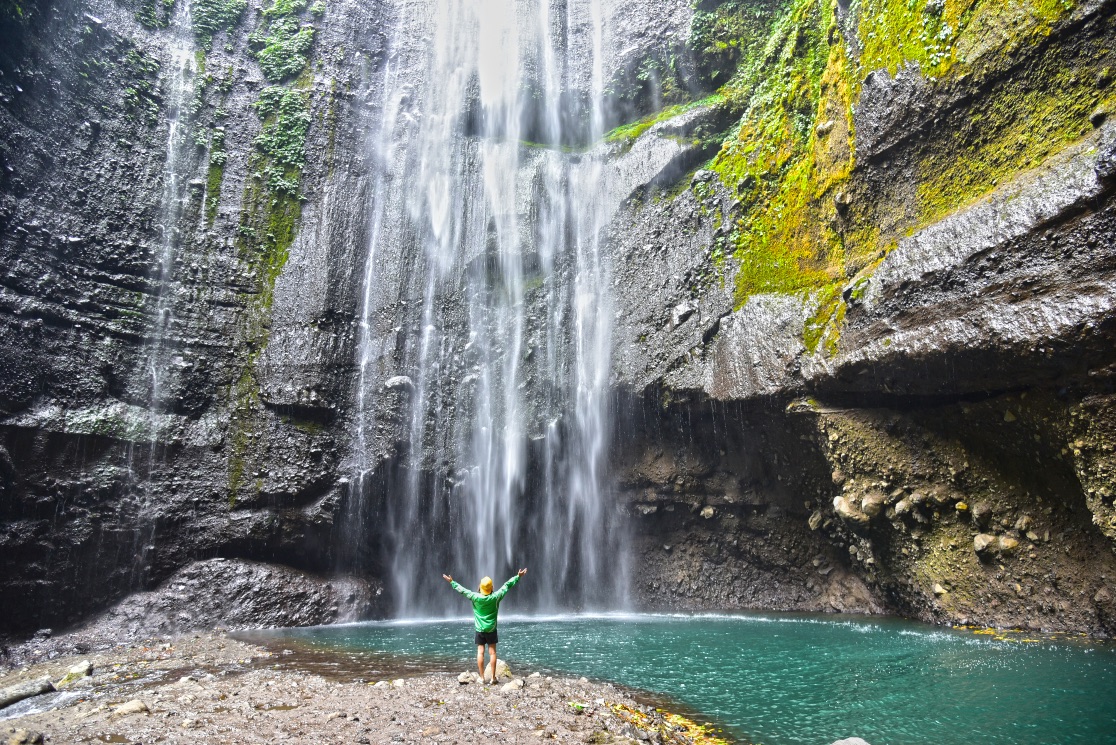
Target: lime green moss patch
{"type": "Point", "coordinates": [628, 132]}
{"type": "Point", "coordinates": [939, 34]}
{"type": "Point", "coordinates": [1027, 121]}
{"type": "Point", "coordinates": [789, 157]}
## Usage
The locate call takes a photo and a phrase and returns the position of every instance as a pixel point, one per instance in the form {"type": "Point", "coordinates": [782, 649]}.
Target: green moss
{"type": "Point", "coordinates": [140, 97]}
{"type": "Point", "coordinates": [286, 115]}
{"type": "Point", "coordinates": [999, 137]}
{"type": "Point", "coordinates": [784, 164]}
{"type": "Point", "coordinates": [271, 212]}
{"type": "Point", "coordinates": [155, 13]}
{"type": "Point", "coordinates": [282, 43]}
{"type": "Point", "coordinates": [628, 132]}
{"type": "Point", "coordinates": [210, 17]}
{"type": "Point", "coordinates": [939, 34]}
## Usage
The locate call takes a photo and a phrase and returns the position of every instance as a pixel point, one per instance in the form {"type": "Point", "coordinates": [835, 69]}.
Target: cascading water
{"type": "Point", "coordinates": [497, 343]}
{"type": "Point", "coordinates": [160, 355]}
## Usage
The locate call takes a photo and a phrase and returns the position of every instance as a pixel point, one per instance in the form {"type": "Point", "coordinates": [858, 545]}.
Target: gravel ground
{"type": "Point", "coordinates": [213, 688]}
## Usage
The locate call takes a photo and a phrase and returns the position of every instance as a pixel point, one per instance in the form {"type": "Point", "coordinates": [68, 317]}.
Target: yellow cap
{"type": "Point", "coordinates": [486, 586]}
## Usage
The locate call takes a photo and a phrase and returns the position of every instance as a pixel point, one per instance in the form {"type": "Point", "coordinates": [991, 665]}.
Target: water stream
{"type": "Point", "coordinates": [497, 328]}
{"type": "Point", "coordinates": [787, 679]}
{"type": "Point", "coordinates": [161, 357]}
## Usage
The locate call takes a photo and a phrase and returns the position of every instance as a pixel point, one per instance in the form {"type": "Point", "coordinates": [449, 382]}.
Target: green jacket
{"type": "Point", "coordinates": [485, 607]}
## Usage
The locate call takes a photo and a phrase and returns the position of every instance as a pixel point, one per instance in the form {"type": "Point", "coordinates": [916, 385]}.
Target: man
{"type": "Point", "coordinates": [486, 604]}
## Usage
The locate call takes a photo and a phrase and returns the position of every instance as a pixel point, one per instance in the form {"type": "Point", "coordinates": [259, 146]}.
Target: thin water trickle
{"type": "Point", "coordinates": [158, 357]}
{"type": "Point", "coordinates": [505, 351]}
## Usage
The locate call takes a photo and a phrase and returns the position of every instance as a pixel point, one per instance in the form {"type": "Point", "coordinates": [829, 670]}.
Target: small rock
{"type": "Point", "coordinates": [1007, 544]}
{"type": "Point", "coordinates": [872, 503]}
{"type": "Point", "coordinates": [847, 512]}
{"type": "Point", "coordinates": [825, 128]}
{"type": "Point", "coordinates": [903, 506]}
{"type": "Point", "coordinates": [400, 382]}
{"type": "Point", "coordinates": [135, 706]}
{"type": "Point", "coordinates": [24, 737]}
{"type": "Point", "coordinates": [939, 590]}
{"type": "Point", "coordinates": [514, 685]}
{"type": "Point", "coordinates": [79, 671]}
{"type": "Point", "coordinates": [985, 544]}
{"type": "Point", "coordinates": [982, 513]}
{"type": "Point", "coordinates": [535, 675]}
{"type": "Point", "coordinates": [1023, 523]}
{"type": "Point", "coordinates": [398, 682]}
{"type": "Point", "coordinates": [815, 520]}
{"type": "Point", "coordinates": [1098, 116]}
{"type": "Point", "coordinates": [464, 678]}
{"type": "Point", "coordinates": [851, 741]}
{"type": "Point", "coordinates": [707, 512]}
{"type": "Point", "coordinates": [961, 506]}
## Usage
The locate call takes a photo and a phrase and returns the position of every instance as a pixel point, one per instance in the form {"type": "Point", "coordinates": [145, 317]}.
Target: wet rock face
{"type": "Point", "coordinates": [947, 513]}
{"type": "Point", "coordinates": [178, 356]}
{"type": "Point", "coordinates": [143, 424]}
{"type": "Point", "coordinates": [715, 497]}
{"type": "Point", "coordinates": [954, 418]}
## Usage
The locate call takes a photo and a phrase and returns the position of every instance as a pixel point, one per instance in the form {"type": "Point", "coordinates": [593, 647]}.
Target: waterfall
{"type": "Point", "coordinates": [485, 316]}
{"type": "Point", "coordinates": [161, 354]}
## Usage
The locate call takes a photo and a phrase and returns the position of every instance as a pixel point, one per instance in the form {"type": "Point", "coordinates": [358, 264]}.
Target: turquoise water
{"type": "Point", "coordinates": [797, 680]}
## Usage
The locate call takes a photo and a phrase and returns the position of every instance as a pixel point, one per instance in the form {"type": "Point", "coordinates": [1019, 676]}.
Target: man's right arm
{"type": "Point", "coordinates": [464, 591]}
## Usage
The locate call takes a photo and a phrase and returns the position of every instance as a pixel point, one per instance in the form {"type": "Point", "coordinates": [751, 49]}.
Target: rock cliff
{"type": "Point", "coordinates": [862, 262]}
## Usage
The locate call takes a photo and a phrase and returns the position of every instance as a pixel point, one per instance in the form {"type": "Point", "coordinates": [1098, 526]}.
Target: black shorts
{"type": "Point", "coordinates": [485, 637]}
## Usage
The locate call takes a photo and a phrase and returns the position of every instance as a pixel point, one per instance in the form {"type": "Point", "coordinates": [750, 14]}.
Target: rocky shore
{"type": "Point", "coordinates": [214, 688]}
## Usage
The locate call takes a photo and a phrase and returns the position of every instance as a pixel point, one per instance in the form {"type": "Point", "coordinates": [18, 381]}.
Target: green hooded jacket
{"type": "Point", "coordinates": [485, 607]}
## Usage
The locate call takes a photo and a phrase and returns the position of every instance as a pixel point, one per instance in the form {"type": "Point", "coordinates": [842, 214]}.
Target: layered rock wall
{"type": "Point", "coordinates": [862, 262]}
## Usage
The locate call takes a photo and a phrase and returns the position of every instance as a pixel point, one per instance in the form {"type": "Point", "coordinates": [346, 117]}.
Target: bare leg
{"type": "Point", "coordinates": [492, 657]}
{"type": "Point", "coordinates": [480, 660]}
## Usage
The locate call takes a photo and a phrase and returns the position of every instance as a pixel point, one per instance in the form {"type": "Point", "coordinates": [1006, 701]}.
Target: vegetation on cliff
{"type": "Point", "coordinates": [272, 202]}
{"type": "Point", "coordinates": [816, 215]}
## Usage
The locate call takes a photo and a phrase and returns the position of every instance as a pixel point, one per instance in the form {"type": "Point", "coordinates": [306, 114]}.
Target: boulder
{"type": "Point", "coordinates": [503, 671]}
{"type": "Point", "coordinates": [815, 520]}
{"type": "Point", "coordinates": [982, 513]}
{"type": "Point", "coordinates": [20, 691]}
{"type": "Point", "coordinates": [24, 737]}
